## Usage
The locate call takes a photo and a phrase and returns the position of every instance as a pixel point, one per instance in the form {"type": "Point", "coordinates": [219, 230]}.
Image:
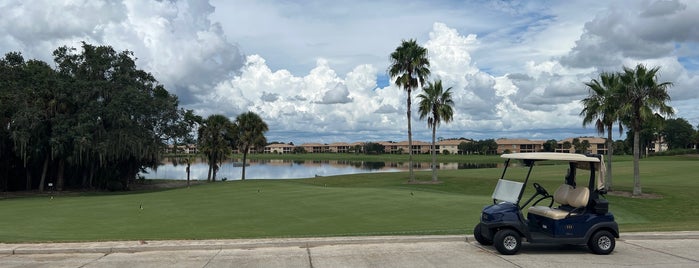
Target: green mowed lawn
{"type": "Point", "coordinates": [364, 204]}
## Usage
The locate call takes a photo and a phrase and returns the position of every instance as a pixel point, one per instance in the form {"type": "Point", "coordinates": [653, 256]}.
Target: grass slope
{"type": "Point", "coordinates": [364, 204]}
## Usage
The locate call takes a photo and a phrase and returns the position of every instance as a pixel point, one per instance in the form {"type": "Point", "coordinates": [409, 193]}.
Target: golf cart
{"type": "Point", "coordinates": [581, 216]}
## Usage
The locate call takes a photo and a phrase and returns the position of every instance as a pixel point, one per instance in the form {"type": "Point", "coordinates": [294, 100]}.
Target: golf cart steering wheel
{"type": "Point", "coordinates": [540, 190]}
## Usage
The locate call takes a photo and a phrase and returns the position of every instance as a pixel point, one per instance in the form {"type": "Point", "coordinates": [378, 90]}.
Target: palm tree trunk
{"type": "Point", "coordinates": [410, 142]}
{"type": "Point", "coordinates": [610, 152]}
{"type": "Point", "coordinates": [29, 180]}
{"type": "Point", "coordinates": [92, 175]}
{"type": "Point", "coordinates": [208, 176]}
{"type": "Point", "coordinates": [60, 181]}
{"type": "Point", "coordinates": [434, 154]}
{"type": "Point", "coordinates": [189, 164]}
{"type": "Point", "coordinates": [216, 167]}
{"type": "Point", "coordinates": [43, 174]}
{"type": "Point", "coordinates": [636, 160]}
{"type": "Point", "coordinates": [245, 156]}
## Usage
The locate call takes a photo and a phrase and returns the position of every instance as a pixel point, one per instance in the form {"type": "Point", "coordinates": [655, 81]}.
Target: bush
{"type": "Point", "coordinates": [674, 152]}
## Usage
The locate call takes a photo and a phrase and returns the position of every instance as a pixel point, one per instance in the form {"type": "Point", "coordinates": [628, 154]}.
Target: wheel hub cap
{"type": "Point", "coordinates": [604, 243]}
{"type": "Point", "coordinates": [510, 243]}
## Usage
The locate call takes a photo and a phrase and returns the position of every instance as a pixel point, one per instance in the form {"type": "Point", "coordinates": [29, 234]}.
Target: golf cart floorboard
{"type": "Point", "coordinates": [538, 237]}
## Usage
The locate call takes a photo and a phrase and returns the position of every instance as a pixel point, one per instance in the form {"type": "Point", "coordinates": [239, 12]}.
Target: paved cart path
{"type": "Point", "coordinates": [675, 249]}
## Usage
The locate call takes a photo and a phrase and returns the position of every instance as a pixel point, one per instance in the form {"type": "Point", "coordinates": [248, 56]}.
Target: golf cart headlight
{"type": "Point", "coordinates": [496, 217]}
{"type": "Point", "coordinates": [491, 217]}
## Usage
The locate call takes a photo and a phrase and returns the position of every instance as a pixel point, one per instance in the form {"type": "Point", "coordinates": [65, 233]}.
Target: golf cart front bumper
{"type": "Point", "coordinates": [502, 215]}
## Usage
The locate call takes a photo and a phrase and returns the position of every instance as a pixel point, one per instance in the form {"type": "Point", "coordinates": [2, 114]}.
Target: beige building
{"type": "Point", "coordinates": [451, 146]}
{"type": "Point", "coordinates": [181, 149]}
{"type": "Point", "coordinates": [279, 148]}
{"type": "Point", "coordinates": [658, 145]}
{"type": "Point", "coordinates": [519, 145]}
{"type": "Point", "coordinates": [597, 145]}
{"type": "Point", "coordinates": [315, 147]}
{"type": "Point", "coordinates": [343, 147]}
{"type": "Point", "coordinates": [419, 147]}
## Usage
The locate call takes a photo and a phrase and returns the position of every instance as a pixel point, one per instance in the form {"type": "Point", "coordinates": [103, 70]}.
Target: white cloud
{"type": "Point", "coordinates": [516, 68]}
{"type": "Point", "coordinates": [174, 40]}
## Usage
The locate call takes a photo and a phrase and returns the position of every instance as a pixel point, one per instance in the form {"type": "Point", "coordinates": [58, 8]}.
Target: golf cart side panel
{"type": "Point", "coordinates": [577, 226]}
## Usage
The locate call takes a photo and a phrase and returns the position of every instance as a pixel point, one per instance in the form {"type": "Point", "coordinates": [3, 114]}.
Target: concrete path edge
{"type": "Point", "coordinates": [172, 245]}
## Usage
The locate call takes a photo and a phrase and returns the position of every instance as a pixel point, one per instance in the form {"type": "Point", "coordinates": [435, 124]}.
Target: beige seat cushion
{"type": "Point", "coordinates": [561, 194]}
{"type": "Point", "coordinates": [575, 197]}
{"type": "Point", "coordinates": [578, 197]}
{"type": "Point", "coordinates": [548, 212]}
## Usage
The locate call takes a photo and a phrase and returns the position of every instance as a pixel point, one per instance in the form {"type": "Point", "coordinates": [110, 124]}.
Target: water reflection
{"type": "Point", "coordinates": [175, 168]}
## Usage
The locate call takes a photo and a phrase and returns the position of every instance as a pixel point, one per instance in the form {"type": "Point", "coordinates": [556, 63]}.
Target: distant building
{"type": "Point", "coordinates": [519, 145]}
{"type": "Point", "coordinates": [419, 147]}
{"type": "Point", "coordinates": [597, 145]}
{"type": "Point", "coordinates": [658, 145]}
{"type": "Point", "coordinates": [451, 146]}
{"type": "Point", "coordinates": [181, 149]}
{"type": "Point", "coordinates": [315, 147]}
{"type": "Point", "coordinates": [279, 148]}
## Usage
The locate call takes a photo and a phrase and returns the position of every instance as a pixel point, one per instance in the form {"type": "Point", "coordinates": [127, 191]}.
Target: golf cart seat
{"type": "Point", "coordinates": [571, 200]}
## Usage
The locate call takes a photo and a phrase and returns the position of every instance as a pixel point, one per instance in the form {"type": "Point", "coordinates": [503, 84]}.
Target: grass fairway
{"type": "Point", "coordinates": [365, 204]}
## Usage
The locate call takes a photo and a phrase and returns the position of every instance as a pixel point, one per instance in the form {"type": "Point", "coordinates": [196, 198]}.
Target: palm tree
{"type": "Point", "coordinates": [214, 141]}
{"type": "Point", "coordinates": [250, 132]}
{"type": "Point", "coordinates": [436, 105]}
{"type": "Point", "coordinates": [643, 98]}
{"type": "Point", "coordinates": [602, 107]}
{"type": "Point", "coordinates": [410, 68]}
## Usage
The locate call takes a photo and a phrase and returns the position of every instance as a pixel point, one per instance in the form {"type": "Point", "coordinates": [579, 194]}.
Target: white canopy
{"type": "Point", "coordinates": [552, 156]}
{"type": "Point", "coordinates": [567, 157]}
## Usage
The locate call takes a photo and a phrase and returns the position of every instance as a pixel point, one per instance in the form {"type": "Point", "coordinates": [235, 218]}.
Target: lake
{"type": "Point", "coordinates": [290, 169]}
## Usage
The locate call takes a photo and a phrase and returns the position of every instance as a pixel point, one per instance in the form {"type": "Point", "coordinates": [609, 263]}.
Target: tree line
{"type": "Point", "coordinates": [93, 120]}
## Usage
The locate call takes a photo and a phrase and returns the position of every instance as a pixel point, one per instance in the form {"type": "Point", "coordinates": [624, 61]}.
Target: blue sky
{"type": "Point", "coordinates": [316, 70]}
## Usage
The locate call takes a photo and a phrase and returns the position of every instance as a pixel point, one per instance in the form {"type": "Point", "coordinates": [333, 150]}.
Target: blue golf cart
{"type": "Point", "coordinates": [575, 214]}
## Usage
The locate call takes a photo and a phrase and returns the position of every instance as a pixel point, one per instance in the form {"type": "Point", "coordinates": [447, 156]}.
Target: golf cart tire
{"type": "Point", "coordinates": [601, 242]}
{"type": "Point", "coordinates": [479, 236]}
{"type": "Point", "coordinates": [507, 241]}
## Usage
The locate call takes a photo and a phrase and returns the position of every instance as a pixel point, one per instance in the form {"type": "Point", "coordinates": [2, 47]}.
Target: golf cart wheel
{"type": "Point", "coordinates": [602, 242]}
{"type": "Point", "coordinates": [479, 236]}
{"type": "Point", "coordinates": [507, 241]}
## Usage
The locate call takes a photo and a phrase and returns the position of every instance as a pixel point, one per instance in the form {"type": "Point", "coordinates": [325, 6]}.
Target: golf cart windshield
{"type": "Point", "coordinates": [507, 191]}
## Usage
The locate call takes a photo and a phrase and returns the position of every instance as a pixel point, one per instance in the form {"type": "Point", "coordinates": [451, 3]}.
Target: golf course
{"type": "Point", "coordinates": [349, 205]}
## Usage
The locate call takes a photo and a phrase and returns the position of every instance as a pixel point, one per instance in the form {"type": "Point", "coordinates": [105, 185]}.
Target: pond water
{"type": "Point", "coordinates": [290, 169]}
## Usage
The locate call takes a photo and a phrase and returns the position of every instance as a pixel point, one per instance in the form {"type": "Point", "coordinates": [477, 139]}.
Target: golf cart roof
{"type": "Point", "coordinates": [552, 156]}
{"type": "Point", "coordinates": [598, 163]}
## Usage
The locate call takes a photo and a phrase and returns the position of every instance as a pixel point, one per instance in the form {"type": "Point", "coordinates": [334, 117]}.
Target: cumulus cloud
{"type": "Point", "coordinates": [339, 94]}
{"type": "Point", "coordinates": [516, 69]}
{"type": "Point", "coordinates": [654, 33]}
{"type": "Point", "coordinates": [174, 40]}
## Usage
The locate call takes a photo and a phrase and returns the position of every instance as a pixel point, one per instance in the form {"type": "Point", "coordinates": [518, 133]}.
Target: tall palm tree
{"type": "Point", "coordinates": [602, 107]}
{"type": "Point", "coordinates": [410, 68]}
{"type": "Point", "coordinates": [214, 141]}
{"type": "Point", "coordinates": [250, 132]}
{"type": "Point", "coordinates": [643, 98]}
{"type": "Point", "coordinates": [435, 104]}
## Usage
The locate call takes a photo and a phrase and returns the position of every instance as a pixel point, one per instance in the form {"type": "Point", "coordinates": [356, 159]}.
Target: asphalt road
{"type": "Point", "coordinates": [677, 249]}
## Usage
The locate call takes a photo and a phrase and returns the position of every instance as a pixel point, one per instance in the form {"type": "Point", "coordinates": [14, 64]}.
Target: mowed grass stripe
{"type": "Point", "coordinates": [235, 210]}
{"type": "Point", "coordinates": [361, 204]}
